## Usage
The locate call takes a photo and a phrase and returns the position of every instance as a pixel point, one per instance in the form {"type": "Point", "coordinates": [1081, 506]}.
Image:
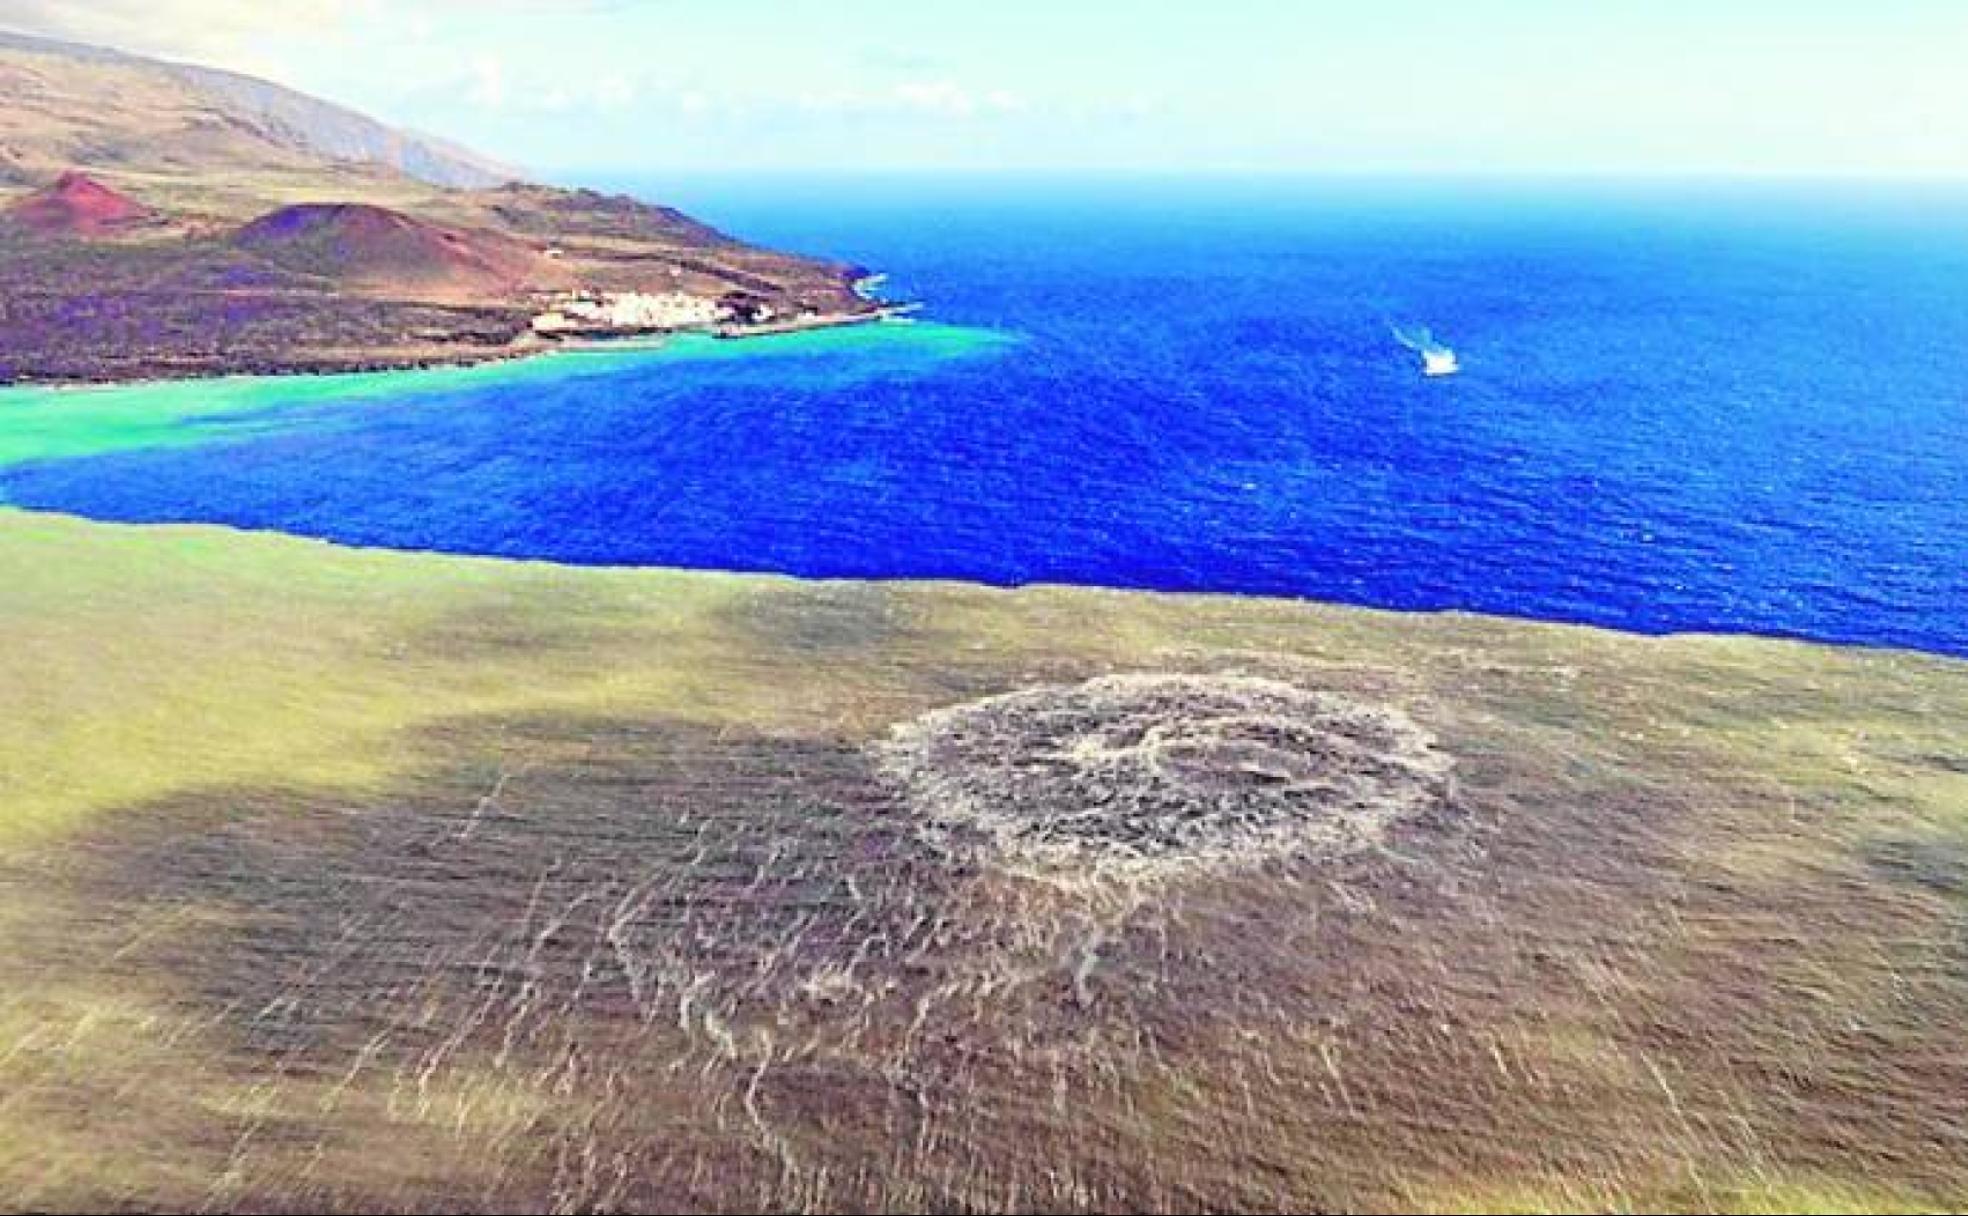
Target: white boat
{"type": "Point", "coordinates": [1439, 362]}
{"type": "Point", "coordinates": [1436, 359]}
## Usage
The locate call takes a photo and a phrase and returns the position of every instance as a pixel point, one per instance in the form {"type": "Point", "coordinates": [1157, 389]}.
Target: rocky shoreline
{"type": "Point", "coordinates": [329, 363]}
{"type": "Point", "coordinates": [796, 325]}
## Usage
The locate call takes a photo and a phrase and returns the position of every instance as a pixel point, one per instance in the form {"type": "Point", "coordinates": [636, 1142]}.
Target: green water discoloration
{"type": "Point", "coordinates": [357, 880]}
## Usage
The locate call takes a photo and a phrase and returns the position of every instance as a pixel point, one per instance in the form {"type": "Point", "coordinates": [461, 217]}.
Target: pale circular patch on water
{"type": "Point", "coordinates": [1141, 775]}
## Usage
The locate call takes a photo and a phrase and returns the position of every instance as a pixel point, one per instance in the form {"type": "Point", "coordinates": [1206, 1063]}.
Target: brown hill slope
{"type": "Point", "coordinates": [283, 234]}
{"type": "Point", "coordinates": [76, 205]}
{"type": "Point", "coordinates": [64, 104]}
{"type": "Point", "coordinates": [376, 249]}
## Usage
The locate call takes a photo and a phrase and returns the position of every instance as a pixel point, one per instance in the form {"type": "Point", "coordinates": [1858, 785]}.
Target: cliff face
{"type": "Point", "coordinates": [69, 104]}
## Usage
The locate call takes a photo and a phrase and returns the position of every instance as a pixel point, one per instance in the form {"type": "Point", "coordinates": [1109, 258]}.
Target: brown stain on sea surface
{"type": "Point", "coordinates": [584, 961]}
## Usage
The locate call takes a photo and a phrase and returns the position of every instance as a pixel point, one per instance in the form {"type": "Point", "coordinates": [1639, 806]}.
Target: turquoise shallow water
{"type": "Point", "coordinates": [1705, 408]}
{"type": "Point", "coordinates": [45, 422]}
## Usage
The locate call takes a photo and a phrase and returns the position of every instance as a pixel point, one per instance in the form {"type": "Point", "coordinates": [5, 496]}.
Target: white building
{"type": "Point", "coordinates": [628, 312]}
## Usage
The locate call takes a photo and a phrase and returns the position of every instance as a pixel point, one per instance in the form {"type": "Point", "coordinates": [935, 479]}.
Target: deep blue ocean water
{"type": "Point", "coordinates": [1681, 407]}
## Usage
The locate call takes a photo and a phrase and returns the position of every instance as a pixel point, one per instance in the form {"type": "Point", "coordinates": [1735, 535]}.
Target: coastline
{"type": "Point", "coordinates": [352, 365]}
{"type": "Point", "coordinates": [527, 348]}
{"type": "Point", "coordinates": [800, 325]}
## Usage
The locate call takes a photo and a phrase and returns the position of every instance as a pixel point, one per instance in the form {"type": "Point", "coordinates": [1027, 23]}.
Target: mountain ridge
{"type": "Point", "coordinates": [367, 247]}
{"type": "Point", "coordinates": [197, 107]}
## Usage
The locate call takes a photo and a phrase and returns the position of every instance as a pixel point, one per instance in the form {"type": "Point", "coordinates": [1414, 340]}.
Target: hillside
{"type": "Point", "coordinates": [368, 247]}
{"type": "Point", "coordinates": [68, 105]}
{"type": "Point", "coordinates": [75, 204]}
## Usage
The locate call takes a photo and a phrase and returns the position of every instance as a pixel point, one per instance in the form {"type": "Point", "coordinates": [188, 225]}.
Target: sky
{"type": "Point", "coordinates": [1576, 87]}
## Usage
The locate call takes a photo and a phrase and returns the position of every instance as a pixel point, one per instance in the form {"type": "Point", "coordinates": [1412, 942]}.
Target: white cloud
{"type": "Point", "coordinates": [952, 100]}
{"type": "Point", "coordinates": [487, 89]}
{"type": "Point", "coordinates": [495, 82]}
{"type": "Point", "coordinates": [213, 31]}
{"type": "Point", "coordinates": [614, 91]}
{"type": "Point", "coordinates": [226, 33]}
{"type": "Point", "coordinates": [936, 97]}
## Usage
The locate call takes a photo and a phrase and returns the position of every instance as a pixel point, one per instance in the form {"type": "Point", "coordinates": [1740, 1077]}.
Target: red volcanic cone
{"type": "Point", "coordinates": [77, 205]}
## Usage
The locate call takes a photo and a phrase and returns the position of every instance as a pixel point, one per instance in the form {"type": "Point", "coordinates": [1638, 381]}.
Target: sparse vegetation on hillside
{"type": "Point", "coordinates": [163, 225]}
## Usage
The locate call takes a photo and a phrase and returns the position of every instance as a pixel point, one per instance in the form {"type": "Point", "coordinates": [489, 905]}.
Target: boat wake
{"type": "Point", "coordinates": [1436, 359]}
